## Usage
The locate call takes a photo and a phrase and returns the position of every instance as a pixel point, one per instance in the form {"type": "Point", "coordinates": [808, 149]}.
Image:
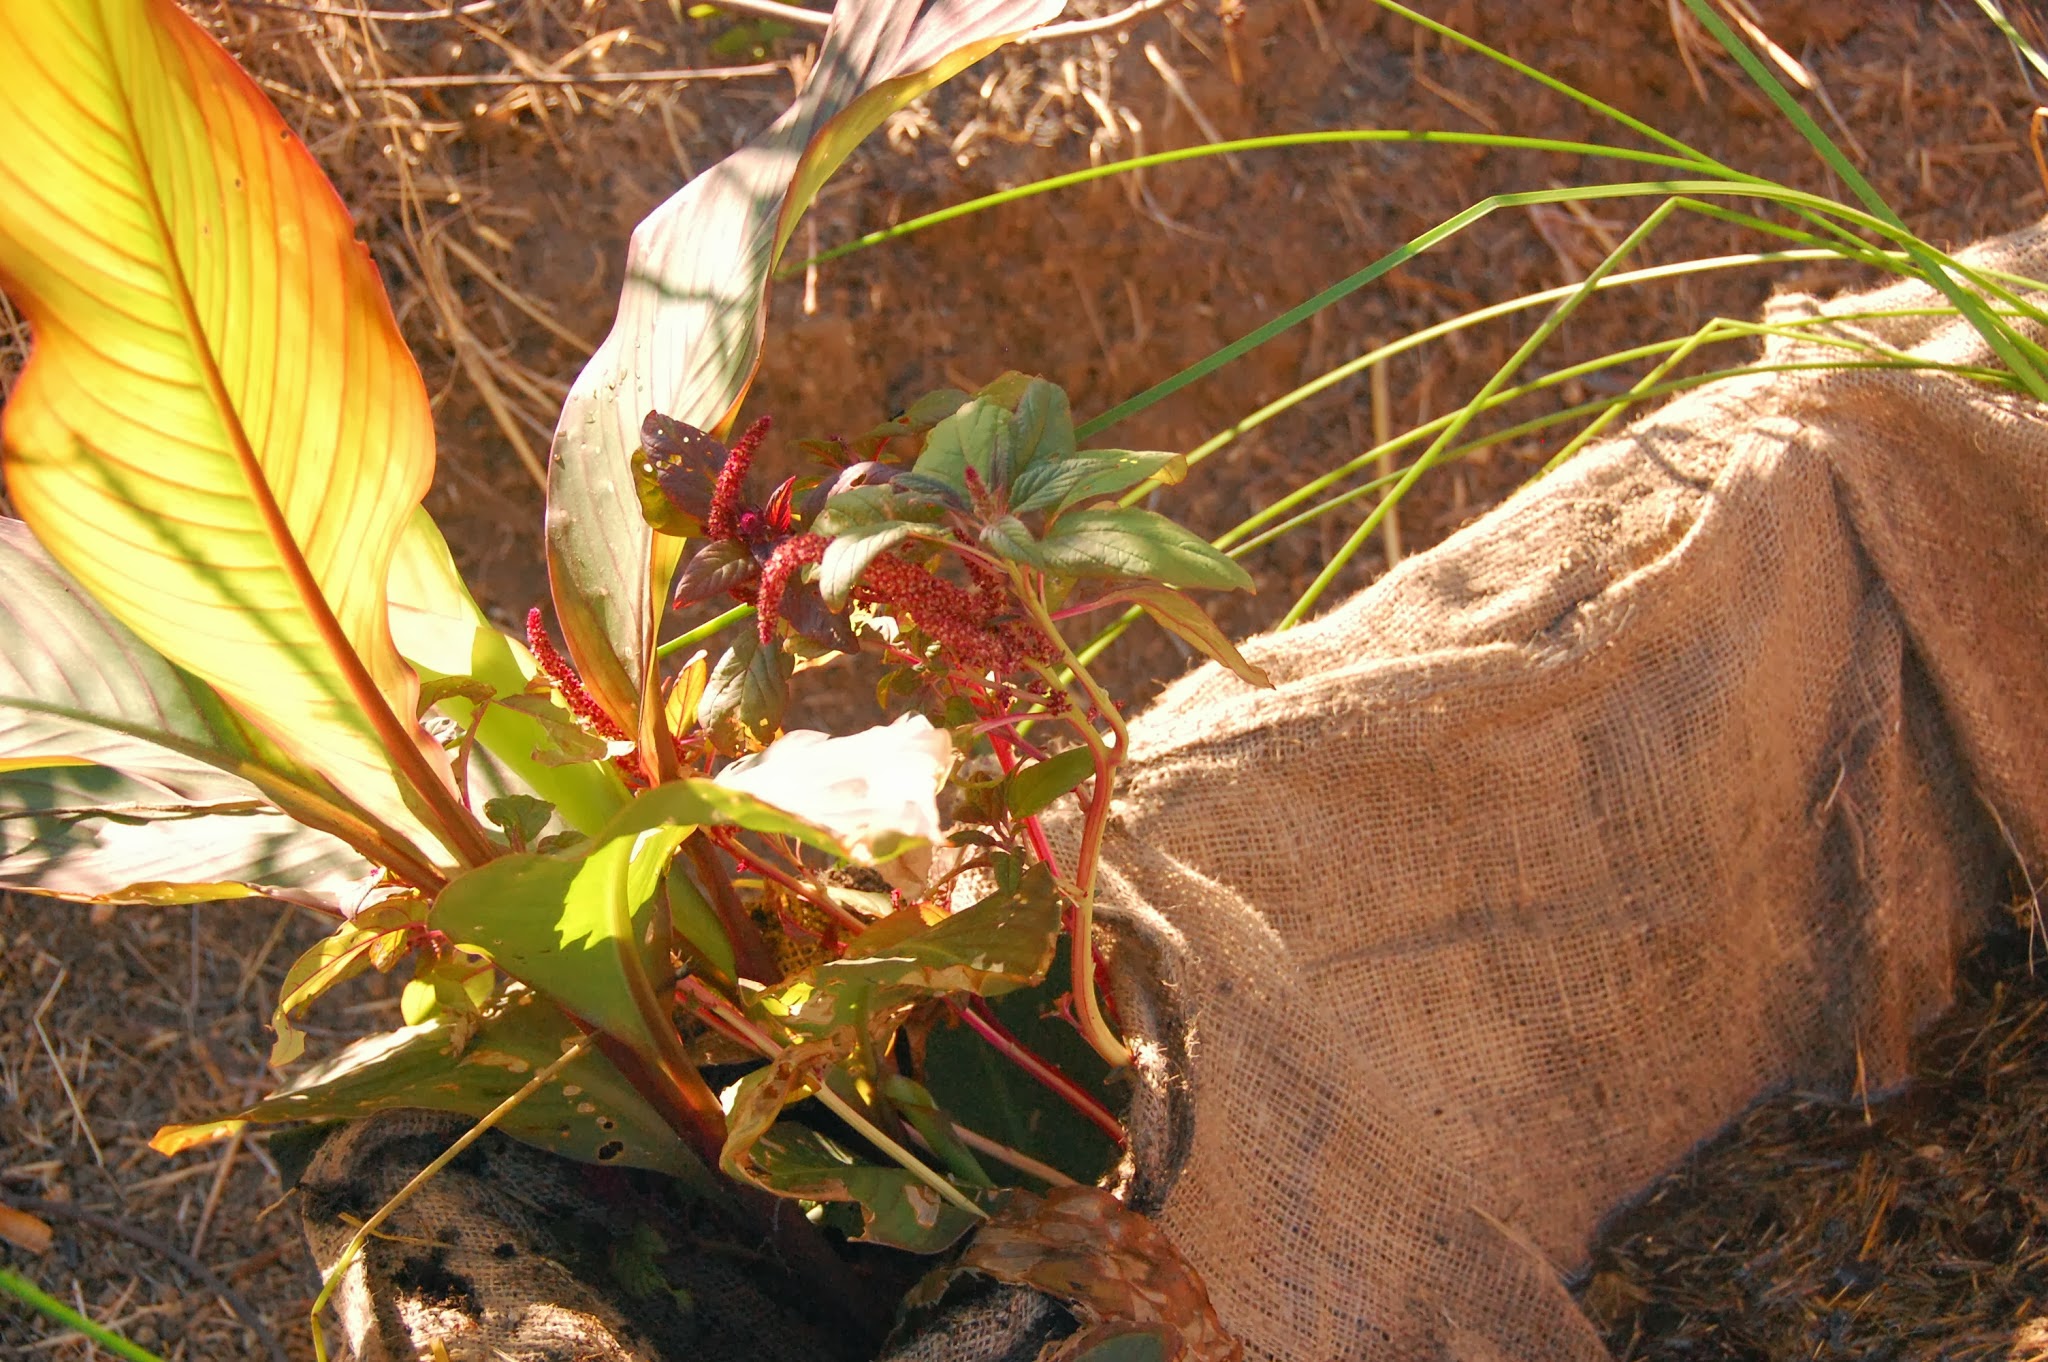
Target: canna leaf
{"type": "Point", "coordinates": [91, 692]}
{"type": "Point", "coordinates": [93, 834]}
{"type": "Point", "coordinates": [581, 927]}
{"type": "Point", "coordinates": [590, 1112]}
{"type": "Point", "coordinates": [219, 432]}
{"type": "Point", "coordinates": [689, 326]}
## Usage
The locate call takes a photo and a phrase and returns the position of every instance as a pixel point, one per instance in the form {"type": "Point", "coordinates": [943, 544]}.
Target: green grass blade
{"type": "Point", "coordinates": [1333, 137]}
{"type": "Point", "coordinates": [29, 1294]}
{"type": "Point", "coordinates": [1523, 353]}
{"type": "Point", "coordinates": [2018, 40]}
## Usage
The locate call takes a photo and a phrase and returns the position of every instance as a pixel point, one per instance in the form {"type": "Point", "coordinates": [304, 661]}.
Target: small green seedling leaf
{"type": "Point", "coordinates": [522, 817]}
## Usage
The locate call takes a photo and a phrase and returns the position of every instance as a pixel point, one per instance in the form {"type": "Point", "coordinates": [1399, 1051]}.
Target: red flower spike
{"type": "Point", "coordinates": [724, 520]}
{"type": "Point", "coordinates": [558, 671]}
{"type": "Point", "coordinates": [955, 618]}
{"type": "Point", "coordinates": [995, 592]}
{"type": "Point", "coordinates": [789, 557]}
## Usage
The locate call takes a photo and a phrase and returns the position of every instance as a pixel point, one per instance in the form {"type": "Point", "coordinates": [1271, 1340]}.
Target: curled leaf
{"type": "Point", "coordinates": [1115, 1269]}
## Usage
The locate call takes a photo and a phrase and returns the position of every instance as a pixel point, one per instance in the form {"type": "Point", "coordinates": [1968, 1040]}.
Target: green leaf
{"type": "Point", "coordinates": [97, 835]}
{"type": "Point", "coordinates": [590, 1112]}
{"type": "Point", "coordinates": [854, 509]}
{"type": "Point", "coordinates": [1032, 789]}
{"type": "Point", "coordinates": [1129, 543]}
{"type": "Point", "coordinates": [219, 432]}
{"type": "Point", "coordinates": [1002, 943]}
{"type": "Point", "coordinates": [577, 927]}
{"type": "Point", "coordinates": [1192, 624]}
{"type": "Point", "coordinates": [558, 741]}
{"type": "Point", "coordinates": [523, 818]}
{"type": "Point", "coordinates": [1006, 537]}
{"type": "Point", "coordinates": [697, 923]}
{"type": "Point", "coordinates": [1042, 428]}
{"type": "Point", "coordinates": [91, 692]}
{"type": "Point", "coordinates": [929, 492]}
{"type": "Point", "coordinates": [977, 436]}
{"type": "Point", "coordinates": [444, 634]}
{"type": "Point", "coordinates": [743, 702]}
{"type": "Point", "coordinates": [850, 553]}
{"type": "Point", "coordinates": [896, 1208]}
{"type": "Point", "coordinates": [574, 925]}
{"type": "Point", "coordinates": [987, 1093]}
{"type": "Point", "coordinates": [690, 321]}
{"type": "Point", "coordinates": [374, 936]}
{"type": "Point", "coordinates": [1054, 485]}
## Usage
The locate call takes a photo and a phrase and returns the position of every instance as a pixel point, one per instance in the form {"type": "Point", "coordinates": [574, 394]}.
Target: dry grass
{"type": "Point", "coordinates": [1915, 1228]}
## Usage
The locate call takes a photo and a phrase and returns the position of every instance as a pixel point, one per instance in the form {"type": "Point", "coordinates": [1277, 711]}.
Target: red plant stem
{"type": "Point", "coordinates": [983, 1021]}
{"type": "Point", "coordinates": [1033, 829]}
{"type": "Point", "coordinates": [751, 955]}
{"type": "Point", "coordinates": [730, 844]}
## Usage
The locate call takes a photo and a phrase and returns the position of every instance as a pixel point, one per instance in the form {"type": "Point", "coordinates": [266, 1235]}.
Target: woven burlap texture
{"type": "Point", "coordinates": [1684, 775]}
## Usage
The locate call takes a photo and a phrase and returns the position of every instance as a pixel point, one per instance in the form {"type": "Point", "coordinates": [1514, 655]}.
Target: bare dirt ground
{"type": "Point", "coordinates": [497, 162]}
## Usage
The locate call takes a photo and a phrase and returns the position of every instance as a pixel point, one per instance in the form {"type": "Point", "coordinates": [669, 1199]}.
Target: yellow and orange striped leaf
{"type": "Point", "coordinates": [219, 433]}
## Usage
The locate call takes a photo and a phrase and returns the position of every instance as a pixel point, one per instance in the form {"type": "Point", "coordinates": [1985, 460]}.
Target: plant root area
{"type": "Point", "coordinates": [499, 210]}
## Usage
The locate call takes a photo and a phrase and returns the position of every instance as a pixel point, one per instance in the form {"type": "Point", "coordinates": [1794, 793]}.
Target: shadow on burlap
{"type": "Point", "coordinates": [1685, 775]}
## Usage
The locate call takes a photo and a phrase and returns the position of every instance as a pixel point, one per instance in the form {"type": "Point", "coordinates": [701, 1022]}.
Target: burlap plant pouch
{"type": "Point", "coordinates": [1684, 775]}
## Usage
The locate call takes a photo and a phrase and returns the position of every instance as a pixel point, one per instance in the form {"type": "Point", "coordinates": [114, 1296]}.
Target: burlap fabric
{"type": "Point", "coordinates": [1684, 775]}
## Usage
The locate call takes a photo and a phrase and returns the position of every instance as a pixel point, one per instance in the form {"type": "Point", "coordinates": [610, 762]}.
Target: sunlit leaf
{"type": "Point", "coordinates": [580, 926]}
{"type": "Point", "coordinates": [373, 937]}
{"type": "Point", "coordinates": [219, 432]}
{"type": "Point", "coordinates": [690, 321]}
{"type": "Point", "coordinates": [850, 554]}
{"type": "Point", "coordinates": [1189, 622]}
{"type": "Point", "coordinates": [95, 834]}
{"type": "Point", "coordinates": [1002, 943]}
{"type": "Point", "coordinates": [897, 1209]}
{"type": "Point", "coordinates": [742, 704]}
{"type": "Point", "coordinates": [90, 691]}
{"type": "Point", "coordinates": [590, 1112]}
{"type": "Point", "coordinates": [444, 634]}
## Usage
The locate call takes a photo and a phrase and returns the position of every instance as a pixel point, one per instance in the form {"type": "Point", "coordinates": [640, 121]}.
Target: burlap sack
{"type": "Point", "coordinates": [1684, 775]}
